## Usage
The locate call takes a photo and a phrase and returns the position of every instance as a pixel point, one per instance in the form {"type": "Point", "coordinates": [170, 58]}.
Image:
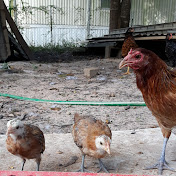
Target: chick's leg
{"type": "Point", "coordinates": [128, 71]}
{"type": "Point", "coordinates": [102, 167]}
{"type": "Point", "coordinates": [162, 164]}
{"type": "Point", "coordinates": [24, 160]}
{"type": "Point", "coordinates": [82, 165]}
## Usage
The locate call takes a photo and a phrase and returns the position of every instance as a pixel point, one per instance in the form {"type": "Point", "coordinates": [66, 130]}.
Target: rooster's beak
{"type": "Point", "coordinates": [126, 61]}
{"type": "Point", "coordinates": [123, 63]}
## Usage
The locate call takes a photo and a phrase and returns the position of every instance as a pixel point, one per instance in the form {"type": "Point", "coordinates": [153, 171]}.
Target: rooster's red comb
{"type": "Point", "coordinates": [130, 52]}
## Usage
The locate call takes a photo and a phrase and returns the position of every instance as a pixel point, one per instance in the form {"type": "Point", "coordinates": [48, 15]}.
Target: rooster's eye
{"type": "Point", "coordinates": [138, 56]}
{"type": "Point", "coordinates": [101, 143]}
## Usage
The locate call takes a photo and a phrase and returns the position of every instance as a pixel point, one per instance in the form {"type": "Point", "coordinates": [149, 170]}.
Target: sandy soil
{"type": "Point", "coordinates": [65, 81]}
{"type": "Point", "coordinates": [130, 154]}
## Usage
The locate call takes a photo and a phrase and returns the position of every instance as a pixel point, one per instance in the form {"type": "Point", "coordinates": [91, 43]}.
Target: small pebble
{"type": "Point", "coordinates": [127, 107]}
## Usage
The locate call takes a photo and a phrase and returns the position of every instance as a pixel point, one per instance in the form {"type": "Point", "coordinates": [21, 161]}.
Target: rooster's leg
{"type": "Point", "coordinates": [162, 164]}
{"type": "Point", "coordinates": [38, 162]}
{"type": "Point", "coordinates": [127, 72]}
{"type": "Point", "coordinates": [24, 160]}
{"type": "Point", "coordinates": [38, 165]}
{"type": "Point", "coordinates": [82, 165]}
{"type": "Point", "coordinates": [102, 167]}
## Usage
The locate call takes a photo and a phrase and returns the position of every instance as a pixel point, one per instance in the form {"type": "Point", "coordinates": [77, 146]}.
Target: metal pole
{"type": "Point", "coordinates": [88, 18]}
{"type": "Point", "coordinates": [51, 25]}
{"type": "Point", "coordinates": [15, 11]}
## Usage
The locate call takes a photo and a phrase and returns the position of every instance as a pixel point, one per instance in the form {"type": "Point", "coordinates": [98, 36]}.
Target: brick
{"type": "Point", "coordinates": [91, 72]}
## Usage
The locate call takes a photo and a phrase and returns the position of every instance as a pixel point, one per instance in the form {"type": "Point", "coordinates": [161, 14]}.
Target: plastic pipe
{"type": "Point", "coordinates": [92, 103]}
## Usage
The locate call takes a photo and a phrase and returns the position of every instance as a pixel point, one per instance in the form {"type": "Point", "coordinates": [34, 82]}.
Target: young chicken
{"type": "Point", "coordinates": [129, 43]}
{"type": "Point", "coordinates": [24, 140]}
{"type": "Point", "coordinates": [157, 82]}
{"type": "Point", "coordinates": [170, 49]}
{"type": "Point", "coordinates": [93, 137]}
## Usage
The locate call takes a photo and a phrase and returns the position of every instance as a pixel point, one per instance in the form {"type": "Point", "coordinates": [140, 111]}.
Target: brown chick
{"type": "Point", "coordinates": [24, 140]}
{"type": "Point", "coordinates": [93, 137]}
{"type": "Point", "coordinates": [129, 43]}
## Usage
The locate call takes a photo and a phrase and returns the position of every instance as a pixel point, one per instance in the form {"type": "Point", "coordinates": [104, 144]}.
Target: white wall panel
{"type": "Point", "coordinates": [40, 34]}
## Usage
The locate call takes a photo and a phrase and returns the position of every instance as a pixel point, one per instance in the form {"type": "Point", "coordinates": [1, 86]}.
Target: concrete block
{"type": "Point", "coordinates": [90, 72]}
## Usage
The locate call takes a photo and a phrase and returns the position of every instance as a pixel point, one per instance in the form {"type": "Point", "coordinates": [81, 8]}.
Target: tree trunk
{"type": "Point", "coordinates": [125, 13]}
{"type": "Point", "coordinates": [114, 15]}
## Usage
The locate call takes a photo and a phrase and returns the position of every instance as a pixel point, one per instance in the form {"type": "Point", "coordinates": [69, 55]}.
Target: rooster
{"type": "Point", "coordinates": [24, 140]}
{"type": "Point", "coordinates": [129, 43]}
{"type": "Point", "coordinates": [93, 137]}
{"type": "Point", "coordinates": [170, 49]}
{"type": "Point", "coordinates": [157, 82]}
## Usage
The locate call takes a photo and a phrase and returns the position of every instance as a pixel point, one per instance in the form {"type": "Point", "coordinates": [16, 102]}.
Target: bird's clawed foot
{"type": "Point", "coordinates": [102, 167]}
{"type": "Point", "coordinates": [161, 166]}
{"type": "Point", "coordinates": [127, 72]}
{"type": "Point", "coordinates": [83, 170]}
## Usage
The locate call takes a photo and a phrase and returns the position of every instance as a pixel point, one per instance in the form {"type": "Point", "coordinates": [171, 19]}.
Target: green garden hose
{"type": "Point", "coordinates": [92, 103]}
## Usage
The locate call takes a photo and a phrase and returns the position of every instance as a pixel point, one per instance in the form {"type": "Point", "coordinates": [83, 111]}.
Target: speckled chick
{"type": "Point", "coordinates": [25, 140]}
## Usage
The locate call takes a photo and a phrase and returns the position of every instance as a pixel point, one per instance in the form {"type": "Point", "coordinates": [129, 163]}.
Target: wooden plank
{"type": "Point", "coordinates": [17, 34]}
{"type": "Point", "coordinates": [104, 44]}
{"type": "Point", "coordinates": [136, 38]}
{"type": "Point", "coordinates": [4, 40]}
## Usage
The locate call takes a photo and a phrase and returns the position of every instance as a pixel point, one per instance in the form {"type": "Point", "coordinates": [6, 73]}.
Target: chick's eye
{"type": "Point", "coordinates": [138, 56]}
{"type": "Point", "coordinates": [17, 127]}
{"type": "Point", "coordinates": [101, 143]}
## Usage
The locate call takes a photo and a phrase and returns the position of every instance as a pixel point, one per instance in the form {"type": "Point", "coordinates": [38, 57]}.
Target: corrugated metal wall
{"type": "Point", "coordinates": [148, 12]}
{"type": "Point", "coordinates": [64, 12]}
{"type": "Point", "coordinates": [68, 18]}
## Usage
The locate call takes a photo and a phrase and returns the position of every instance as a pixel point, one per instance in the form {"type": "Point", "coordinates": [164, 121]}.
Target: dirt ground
{"type": "Point", "coordinates": [64, 80]}
{"type": "Point", "coordinates": [130, 154]}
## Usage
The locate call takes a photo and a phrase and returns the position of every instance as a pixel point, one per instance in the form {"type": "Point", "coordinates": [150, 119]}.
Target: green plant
{"type": "Point", "coordinates": [66, 46]}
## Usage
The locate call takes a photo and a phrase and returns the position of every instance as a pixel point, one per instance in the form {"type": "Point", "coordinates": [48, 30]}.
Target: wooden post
{"type": "Point", "coordinates": [4, 40]}
{"type": "Point", "coordinates": [108, 51]}
{"type": "Point", "coordinates": [17, 34]}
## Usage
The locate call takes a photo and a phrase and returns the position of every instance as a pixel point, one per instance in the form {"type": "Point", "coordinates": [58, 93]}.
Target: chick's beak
{"type": "Point", "coordinates": [10, 130]}
{"type": "Point", "coordinates": [107, 149]}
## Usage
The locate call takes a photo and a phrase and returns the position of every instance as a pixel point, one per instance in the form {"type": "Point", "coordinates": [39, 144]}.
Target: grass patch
{"type": "Point", "coordinates": [66, 46]}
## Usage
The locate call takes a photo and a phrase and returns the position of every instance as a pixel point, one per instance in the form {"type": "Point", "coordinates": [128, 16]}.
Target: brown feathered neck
{"type": "Point", "coordinates": [156, 76]}
{"type": "Point", "coordinates": [128, 34]}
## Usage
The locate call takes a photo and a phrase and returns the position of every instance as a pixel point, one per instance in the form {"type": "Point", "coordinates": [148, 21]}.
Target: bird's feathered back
{"type": "Point", "coordinates": [129, 42]}
{"type": "Point", "coordinates": [28, 145]}
{"type": "Point", "coordinates": [170, 48]}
